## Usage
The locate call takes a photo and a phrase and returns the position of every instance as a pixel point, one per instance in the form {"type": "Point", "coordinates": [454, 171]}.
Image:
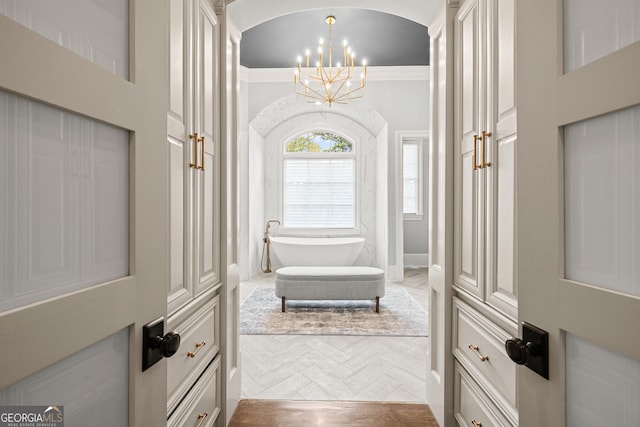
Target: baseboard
{"type": "Point", "coordinates": [416, 260]}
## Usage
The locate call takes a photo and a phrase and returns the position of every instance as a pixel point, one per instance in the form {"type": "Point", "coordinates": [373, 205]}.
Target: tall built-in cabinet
{"type": "Point", "coordinates": [194, 381]}
{"type": "Point", "coordinates": [485, 305]}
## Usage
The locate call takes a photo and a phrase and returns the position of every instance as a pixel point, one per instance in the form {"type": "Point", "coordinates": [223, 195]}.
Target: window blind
{"type": "Point", "coordinates": [410, 176]}
{"type": "Point", "coordinates": [319, 193]}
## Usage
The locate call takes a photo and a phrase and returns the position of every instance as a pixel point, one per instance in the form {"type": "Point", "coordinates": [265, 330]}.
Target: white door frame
{"type": "Point", "coordinates": [398, 269]}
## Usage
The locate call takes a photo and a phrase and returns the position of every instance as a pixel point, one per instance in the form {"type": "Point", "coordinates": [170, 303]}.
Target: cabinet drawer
{"type": "Point", "coordinates": [471, 406]}
{"type": "Point", "coordinates": [479, 346]}
{"type": "Point", "coordinates": [201, 406]}
{"type": "Point", "coordinates": [199, 343]}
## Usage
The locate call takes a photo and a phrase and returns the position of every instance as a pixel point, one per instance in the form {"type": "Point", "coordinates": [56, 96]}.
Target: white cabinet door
{"type": "Point", "coordinates": [207, 181]}
{"type": "Point", "coordinates": [577, 230]}
{"type": "Point", "coordinates": [192, 135]}
{"type": "Point", "coordinates": [90, 178]}
{"type": "Point", "coordinates": [469, 183]}
{"type": "Point", "coordinates": [498, 151]}
{"type": "Point", "coordinates": [485, 134]}
{"type": "Point", "coordinates": [182, 154]}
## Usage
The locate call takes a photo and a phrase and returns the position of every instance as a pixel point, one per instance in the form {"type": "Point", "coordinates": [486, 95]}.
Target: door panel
{"type": "Point", "coordinates": [603, 387]}
{"type": "Point", "coordinates": [95, 30]}
{"type": "Point", "coordinates": [229, 164]}
{"type": "Point", "coordinates": [179, 292]}
{"type": "Point", "coordinates": [67, 202]}
{"type": "Point", "coordinates": [501, 289]}
{"type": "Point", "coordinates": [208, 269]}
{"type": "Point", "coordinates": [207, 185]}
{"type": "Point", "coordinates": [468, 239]}
{"type": "Point", "coordinates": [94, 196]}
{"type": "Point", "coordinates": [89, 383]}
{"type": "Point", "coordinates": [591, 328]}
{"type": "Point", "coordinates": [597, 29]}
{"type": "Point", "coordinates": [602, 205]}
{"type": "Point", "coordinates": [442, 158]}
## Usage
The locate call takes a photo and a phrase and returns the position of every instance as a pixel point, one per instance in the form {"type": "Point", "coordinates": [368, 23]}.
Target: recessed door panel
{"type": "Point", "coordinates": [594, 29]}
{"type": "Point", "coordinates": [97, 30]}
{"type": "Point", "coordinates": [602, 203]}
{"type": "Point", "coordinates": [92, 385]}
{"type": "Point", "coordinates": [67, 202]}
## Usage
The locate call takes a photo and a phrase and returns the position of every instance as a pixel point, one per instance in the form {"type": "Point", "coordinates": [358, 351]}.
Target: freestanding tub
{"type": "Point", "coordinates": [316, 251]}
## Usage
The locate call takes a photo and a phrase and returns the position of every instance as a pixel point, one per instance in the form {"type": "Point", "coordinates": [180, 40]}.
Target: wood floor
{"type": "Point", "coordinates": [281, 413]}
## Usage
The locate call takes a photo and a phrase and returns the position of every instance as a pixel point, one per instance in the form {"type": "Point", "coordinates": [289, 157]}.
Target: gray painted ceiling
{"type": "Point", "coordinates": [380, 38]}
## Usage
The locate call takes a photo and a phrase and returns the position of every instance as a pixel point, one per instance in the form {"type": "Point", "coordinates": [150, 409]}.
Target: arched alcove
{"type": "Point", "coordinates": [288, 117]}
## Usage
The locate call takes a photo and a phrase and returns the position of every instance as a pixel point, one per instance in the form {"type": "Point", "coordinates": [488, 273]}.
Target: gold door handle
{"type": "Point", "coordinates": [198, 347]}
{"type": "Point", "coordinates": [476, 423]}
{"type": "Point", "coordinates": [485, 134]}
{"type": "Point", "coordinates": [476, 350]}
{"type": "Point", "coordinates": [194, 136]}
{"type": "Point", "coordinates": [201, 167]}
{"type": "Point", "coordinates": [204, 415]}
{"type": "Point", "coordinates": [476, 138]}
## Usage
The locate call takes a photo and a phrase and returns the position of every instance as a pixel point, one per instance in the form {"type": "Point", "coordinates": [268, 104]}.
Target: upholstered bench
{"type": "Point", "coordinates": [330, 283]}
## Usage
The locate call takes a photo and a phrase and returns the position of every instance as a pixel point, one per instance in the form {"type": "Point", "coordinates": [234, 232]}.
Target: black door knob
{"type": "Point", "coordinates": [532, 350]}
{"type": "Point", "coordinates": [168, 345]}
{"type": "Point", "coordinates": [519, 351]}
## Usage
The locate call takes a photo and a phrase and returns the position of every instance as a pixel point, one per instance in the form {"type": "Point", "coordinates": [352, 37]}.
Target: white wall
{"type": "Point", "coordinates": [401, 98]}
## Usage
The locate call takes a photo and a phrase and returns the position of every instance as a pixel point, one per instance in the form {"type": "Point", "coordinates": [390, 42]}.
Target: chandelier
{"type": "Point", "coordinates": [333, 84]}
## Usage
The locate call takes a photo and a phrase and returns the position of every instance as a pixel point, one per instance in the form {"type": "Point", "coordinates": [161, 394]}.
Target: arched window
{"type": "Point", "coordinates": [319, 184]}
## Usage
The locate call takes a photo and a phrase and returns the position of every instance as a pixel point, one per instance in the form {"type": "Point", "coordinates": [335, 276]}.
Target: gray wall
{"type": "Point", "coordinates": [403, 104]}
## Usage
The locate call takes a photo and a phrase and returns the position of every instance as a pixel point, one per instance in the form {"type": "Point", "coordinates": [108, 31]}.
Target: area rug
{"type": "Point", "coordinates": [400, 315]}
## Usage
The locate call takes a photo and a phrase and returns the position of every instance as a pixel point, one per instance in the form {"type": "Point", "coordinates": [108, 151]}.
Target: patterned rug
{"type": "Point", "coordinates": [400, 315]}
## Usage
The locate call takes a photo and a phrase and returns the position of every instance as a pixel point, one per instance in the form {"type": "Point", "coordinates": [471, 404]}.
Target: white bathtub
{"type": "Point", "coordinates": [324, 251]}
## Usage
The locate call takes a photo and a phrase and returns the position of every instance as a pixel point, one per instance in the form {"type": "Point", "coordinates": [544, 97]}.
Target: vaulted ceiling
{"type": "Point", "coordinates": [383, 39]}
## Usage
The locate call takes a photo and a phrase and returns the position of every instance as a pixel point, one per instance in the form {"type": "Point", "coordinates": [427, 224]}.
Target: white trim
{"type": "Point", "coordinates": [416, 260]}
{"type": "Point", "coordinates": [244, 74]}
{"type": "Point", "coordinates": [417, 138]}
{"type": "Point", "coordinates": [423, 135]}
{"type": "Point", "coordinates": [285, 75]}
{"type": "Point", "coordinates": [395, 273]}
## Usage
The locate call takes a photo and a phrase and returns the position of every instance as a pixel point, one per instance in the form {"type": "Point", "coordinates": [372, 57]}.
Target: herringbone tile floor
{"type": "Point", "coordinates": [302, 367]}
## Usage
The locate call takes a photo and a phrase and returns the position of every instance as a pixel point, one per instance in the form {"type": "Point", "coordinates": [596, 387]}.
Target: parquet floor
{"type": "Point", "coordinates": [346, 368]}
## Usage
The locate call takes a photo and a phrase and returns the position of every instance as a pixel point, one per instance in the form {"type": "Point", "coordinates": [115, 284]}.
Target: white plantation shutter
{"type": "Point", "coordinates": [410, 178]}
{"type": "Point", "coordinates": [319, 193]}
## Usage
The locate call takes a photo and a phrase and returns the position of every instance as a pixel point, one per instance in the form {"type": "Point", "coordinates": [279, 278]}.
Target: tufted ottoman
{"type": "Point", "coordinates": [330, 283]}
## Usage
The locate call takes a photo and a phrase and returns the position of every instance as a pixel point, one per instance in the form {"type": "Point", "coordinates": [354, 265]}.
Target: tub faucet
{"type": "Point", "coordinates": [266, 231]}
{"type": "Point", "coordinates": [267, 245]}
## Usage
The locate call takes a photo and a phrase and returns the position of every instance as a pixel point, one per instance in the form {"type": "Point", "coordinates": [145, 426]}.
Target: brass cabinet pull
{"type": "Point", "coordinates": [476, 423]}
{"type": "Point", "coordinates": [201, 167]}
{"type": "Point", "coordinates": [198, 347]}
{"type": "Point", "coordinates": [194, 136]}
{"type": "Point", "coordinates": [485, 134]}
{"type": "Point", "coordinates": [204, 415]}
{"type": "Point", "coordinates": [476, 138]}
{"type": "Point", "coordinates": [476, 350]}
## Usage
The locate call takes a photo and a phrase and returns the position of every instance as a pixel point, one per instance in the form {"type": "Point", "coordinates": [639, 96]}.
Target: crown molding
{"type": "Point", "coordinates": [285, 75]}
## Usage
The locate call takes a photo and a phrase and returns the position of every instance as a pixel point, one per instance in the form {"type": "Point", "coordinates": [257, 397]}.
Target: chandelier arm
{"type": "Point", "coordinates": [342, 83]}
{"type": "Point", "coordinates": [318, 94]}
{"type": "Point", "coordinates": [351, 95]}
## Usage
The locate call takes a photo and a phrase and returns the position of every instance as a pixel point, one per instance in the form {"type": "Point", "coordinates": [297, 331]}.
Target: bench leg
{"type": "Point", "coordinates": [283, 306]}
{"type": "Point", "coordinates": [377, 304]}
